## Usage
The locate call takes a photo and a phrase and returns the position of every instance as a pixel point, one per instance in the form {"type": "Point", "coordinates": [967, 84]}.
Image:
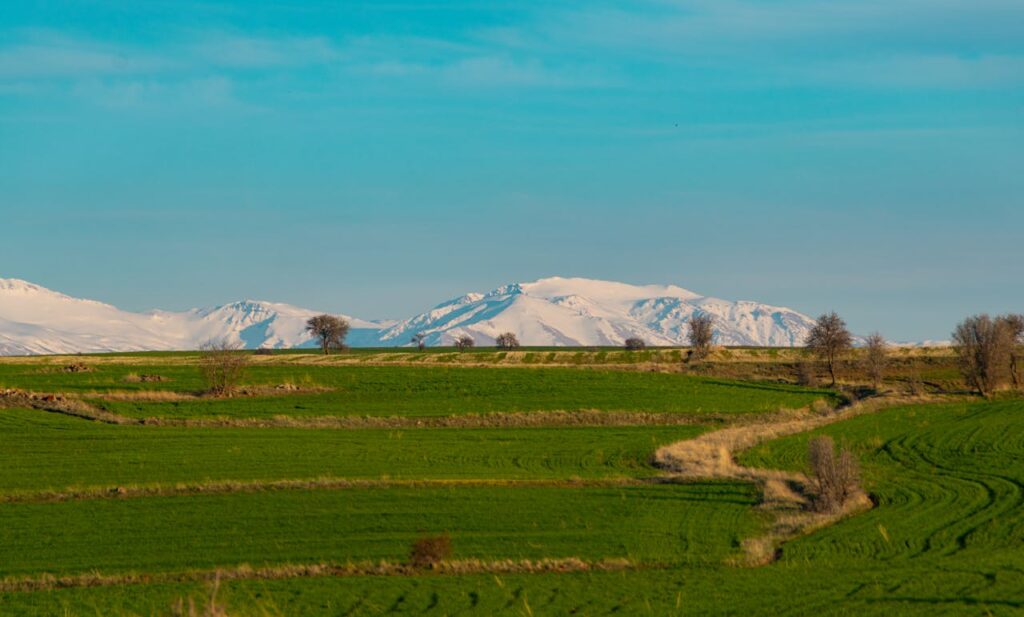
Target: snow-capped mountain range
{"type": "Point", "coordinates": [552, 311]}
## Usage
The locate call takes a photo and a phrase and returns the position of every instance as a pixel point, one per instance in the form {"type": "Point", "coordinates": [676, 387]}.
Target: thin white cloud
{"type": "Point", "coordinates": [232, 51]}
{"type": "Point", "coordinates": [61, 56]}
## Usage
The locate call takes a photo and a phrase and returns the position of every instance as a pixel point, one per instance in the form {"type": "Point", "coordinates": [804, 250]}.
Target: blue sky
{"type": "Point", "coordinates": [377, 158]}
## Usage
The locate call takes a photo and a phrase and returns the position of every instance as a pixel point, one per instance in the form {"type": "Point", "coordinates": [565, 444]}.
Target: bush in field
{"type": "Point", "coordinates": [836, 479]}
{"type": "Point", "coordinates": [986, 349]}
{"type": "Point", "coordinates": [829, 339]}
{"type": "Point", "coordinates": [507, 341]}
{"type": "Point", "coordinates": [429, 551]}
{"type": "Point", "coordinates": [464, 342]}
{"type": "Point", "coordinates": [222, 364]}
{"type": "Point", "coordinates": [329, 330]}
{"type": "Point", "coordinates": [876, 359]}
{"type": "Point", "coordinates": [420, 339]}
{"type": "Point", "coordinates": [635, 344]}
{"type": "Point", "coordinates": [701, 335]}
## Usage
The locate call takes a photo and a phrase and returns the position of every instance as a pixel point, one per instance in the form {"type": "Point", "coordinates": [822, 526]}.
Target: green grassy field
{"type": "Point", "coordinates": [47, 451]}
{"type": "Point", "coordinates": [946, 537]}
{"type": "Point", "coordinates": [419, 391]}
{"type": "Point", "coordinates": [668, 524]}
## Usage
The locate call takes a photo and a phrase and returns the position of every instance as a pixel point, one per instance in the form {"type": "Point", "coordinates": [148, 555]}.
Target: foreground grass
{"type": "Point", "coordinates": [671, 524]}
{"type": "Point", "coordinates": [45, 451]}
{"type": "Point", "coordinates": [811, 590]}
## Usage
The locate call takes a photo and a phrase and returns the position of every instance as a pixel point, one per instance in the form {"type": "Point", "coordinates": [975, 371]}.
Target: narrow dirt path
{"type": "Point", "coordinates": [783, 493]}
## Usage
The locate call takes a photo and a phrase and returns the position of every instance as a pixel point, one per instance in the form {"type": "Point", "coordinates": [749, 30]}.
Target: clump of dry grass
{"type": "Point", "coordinates": [209, 607]}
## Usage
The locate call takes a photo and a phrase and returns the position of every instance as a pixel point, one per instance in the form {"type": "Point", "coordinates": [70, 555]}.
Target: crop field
{"type": "Point", "coordinates": [174, 497]}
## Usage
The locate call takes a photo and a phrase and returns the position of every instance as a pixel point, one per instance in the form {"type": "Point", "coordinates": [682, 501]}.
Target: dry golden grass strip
{"type": "Point", "coordinates": [62, 404]}
{"type": "Point", "coordinates": [44, 582]}
{"type": "Point", "coordinates": [323, 483]}
{"type": "Point", "coordinates": [581, 418]}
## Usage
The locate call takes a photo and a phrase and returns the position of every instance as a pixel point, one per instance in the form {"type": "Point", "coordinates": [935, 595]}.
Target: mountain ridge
{"type": "Point", "coordinates": [554, 311]}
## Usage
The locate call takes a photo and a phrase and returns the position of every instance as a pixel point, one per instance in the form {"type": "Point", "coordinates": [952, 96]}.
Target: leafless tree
{"type": "Point", "coordinates": [464, 342]}
{"type": "Point", "coordinates": [983, 346]}
{"type": "Point", "coordinates": [701, 335]}
{"type": "Point", "coordinates": [507, 341]}
{"type": "Point", "coordinates": [222, 364]}
{"type": "Point", "coordinates": [420, 338]}
{"type": "Point", "coordinates": [635, 344]}
{"type": "Point", "coordinates": [329, 330]}
{"type": "Point", "coordinates": [1014, 324]}
{"type": "Point", "coordinates": [876, 358]}
{"type": "Point", "coordinates": [829, 339]}
{"type": "Point", "coordinates": [837, 479]}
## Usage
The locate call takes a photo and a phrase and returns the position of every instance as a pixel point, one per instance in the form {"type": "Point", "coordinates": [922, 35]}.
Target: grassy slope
{"type": "Point", "coordinates": [949, 480]}
{"type": "Point", "coordinates": [50, 451]}
{"type": "Point", "coordinates": [698, 523]}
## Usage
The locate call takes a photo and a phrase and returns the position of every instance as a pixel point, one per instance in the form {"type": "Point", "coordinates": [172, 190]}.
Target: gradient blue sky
{"type": "Point", "coordinates": [377, 158]}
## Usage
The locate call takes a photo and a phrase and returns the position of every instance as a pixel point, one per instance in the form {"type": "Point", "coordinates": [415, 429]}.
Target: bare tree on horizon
{"type": "Point", "coordinates": [329, 330]}
{"type": "Point", "coordinates": [828, 339]}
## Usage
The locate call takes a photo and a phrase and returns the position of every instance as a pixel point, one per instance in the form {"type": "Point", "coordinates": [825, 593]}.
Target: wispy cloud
{"type": "Point", "coordinates": [55, 55]}
{"type": "Point", "coordinates": [234, 51]}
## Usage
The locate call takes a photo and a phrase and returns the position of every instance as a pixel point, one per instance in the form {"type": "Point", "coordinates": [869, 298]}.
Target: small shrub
{"type": "Point", "coordinates": [264, 351]}
{"type": "Point", "coordinates": [464, 342]}
{"type": "Point", "coordinates": [222, 366]}
{"type": "Point", "coordinates": [836, 479]}
{"type": "Point", "coordinates": [701, 336]}
{"type": "Point", "coordinates": [428, 551]}
{"type": "Point", "coordinates": [635, 344]}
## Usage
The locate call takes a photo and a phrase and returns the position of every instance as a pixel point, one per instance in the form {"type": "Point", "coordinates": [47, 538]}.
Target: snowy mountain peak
{"type": "Point", "coordinates": [548, 311]}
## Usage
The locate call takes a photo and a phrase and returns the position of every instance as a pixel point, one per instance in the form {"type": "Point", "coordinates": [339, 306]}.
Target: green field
{"type": "Point", "coordinates": [46, 451]}
{"type": "Point", "coordinates": [946, 536]}
{"type": "Point", "coordinates": [419, 391]}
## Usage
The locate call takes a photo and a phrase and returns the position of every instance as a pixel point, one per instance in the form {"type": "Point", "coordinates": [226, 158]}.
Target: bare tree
{"type": "Point", "coordinates": [329, 330]}
{"type": "Point", "coordinates": [222, 364]}
{"type": "Point", "coordinates": [983, 346]}
{"type": "Point", "coordinates": [507, 341]}
{"type": "Point", "coordinates": [876, 358]}
{"type": "Point", "coordinates": [701, 335]}
{"type": "Point", "coordinates": [635, 344]}
{"type": "Point", "coordinates": [837, 479]}
{"type": "Point", "coordinates": [420, 338]}
{"type": "Point", "coordinates": [464, 342]}
{"type": "Point", "coordinates": [1014, 324]}
{"type": "Point", "coordinates": [829, 339]}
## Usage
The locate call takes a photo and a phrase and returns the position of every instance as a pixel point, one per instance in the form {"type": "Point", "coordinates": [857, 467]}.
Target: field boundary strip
{"type": "Point", "coordinates": [47, 582]}
{"type": "Point", "coordinates": [257, 486]}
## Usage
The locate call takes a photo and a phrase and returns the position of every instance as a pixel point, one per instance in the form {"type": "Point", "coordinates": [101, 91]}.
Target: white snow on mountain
{"type": "Point", "coordinates": [584, 312]}
{"type": "Point", "coordinates": [36, 320]}
{"type": "Point", "coordinates": [551, 311]}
